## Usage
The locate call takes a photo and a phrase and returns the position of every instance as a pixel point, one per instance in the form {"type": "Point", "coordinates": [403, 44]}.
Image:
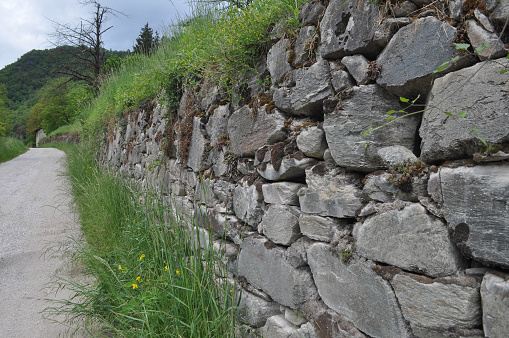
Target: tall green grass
{"type": "Point", "coordinates": [150, 275]}
{"type": "Point", "coordinates": [10, 148]}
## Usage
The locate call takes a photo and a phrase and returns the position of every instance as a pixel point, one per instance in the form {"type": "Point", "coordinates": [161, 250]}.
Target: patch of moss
{"type": "Point", "coordinates": [402, 174]}
{"type": "Point", "coordinates": [291, 56]}
{"type": "Point", "coordinates": [260, 154]}
{"type": "Point", "coordinates": [170, 136]}
{"type": "Point", "coordinates": [305, 125]}
{"type": "Point", "coordinates": [270, 107]}
{"type": "Point", "coordinates": [277, 154]}
{"type": "Point", "coordinates": [186, 133]}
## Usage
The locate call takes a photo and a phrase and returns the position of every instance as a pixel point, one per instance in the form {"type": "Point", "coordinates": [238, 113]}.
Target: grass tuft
{"type": "Point", "coordinates": [11, 148]}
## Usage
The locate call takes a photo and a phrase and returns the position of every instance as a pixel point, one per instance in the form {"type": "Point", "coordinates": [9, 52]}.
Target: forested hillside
{"type": "Point", "coordinates": [34, 69]}
{"type": "Point", "coordinates": [22, 84]}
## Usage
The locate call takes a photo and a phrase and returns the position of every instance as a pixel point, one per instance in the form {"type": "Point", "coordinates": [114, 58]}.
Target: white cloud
{"type": "Point", "coordinates": [26, 24]}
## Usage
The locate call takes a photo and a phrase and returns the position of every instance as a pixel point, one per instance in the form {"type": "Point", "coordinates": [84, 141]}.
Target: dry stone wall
{"type": "Point", "coordinates": [401, 233]}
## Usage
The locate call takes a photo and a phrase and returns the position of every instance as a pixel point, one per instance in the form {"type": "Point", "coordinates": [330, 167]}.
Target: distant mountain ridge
{"type": "Point", "coordinates": [34, 69]}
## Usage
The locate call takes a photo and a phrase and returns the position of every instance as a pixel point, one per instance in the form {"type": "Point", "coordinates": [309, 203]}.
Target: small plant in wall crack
{"type": "Point", "coordinates": [222, 141]}
{"type": "Point", "coordinates": [489, 148]}
{"type": "Point", "coordinates": [155, 164]}
{"type": "Point", "coordinates": [346, 255]}
{"type": "Point", "coordinates": [374, 70]}
{"type": "Point", "coordinates": [403, 172]}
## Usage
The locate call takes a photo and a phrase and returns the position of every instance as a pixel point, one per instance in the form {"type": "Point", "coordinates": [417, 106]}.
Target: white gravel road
{"type": "Point", "coordinates": [34, 219]}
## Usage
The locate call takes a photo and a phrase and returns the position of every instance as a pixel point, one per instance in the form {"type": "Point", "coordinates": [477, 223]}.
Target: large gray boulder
{"type": "Point", "coordinates": [218, 123]}
{"type": "Point", "coordinates": [495, 304]}
{"type": "Point", "coordinates": [444, 303]}
{"type": "Point", "coordinates": [278, 326]}
{"type": "Point", "coordinates": [500, 13]}
{"type": "Point", "coordinates": [357, 66]}
{"type": "Point", "coordinates": [265, 267]}
{"type": "Point", "coordinates": [474, 204]}
{"type": "Point", "coordinates": [311, 141]}
{"type": "Point", "coordinates": [311, 13]}
{"type": "Point", "coordinates": [341, 79]}
{"type": "Point", "coordinates": [345, 128]}
{"type": "Point", "coordinates": [456, 9]}
{"type": "Point", "coordinates": [348, 28]}
{"type": "Point", "coordinates": [479, 36]}
{"type": "Point", "coordinates": [280, 224]}
{"type": "Point", "coordinates": [330, 193]}
{"type": "Point", "coordinates": [322, 228]}
{"type": "Point", "coordinates": [414, 53]}
{"type": "Point", "coordinates": [227, 225]}
{"type": "Point", "coordinates": [356, 292]}
{"type": "Point", "coordinates": [282, 193]}
{"type": "Point", "coordinates": [410, 239]}
{"type": "Point", "coordinates": [197, 159]}
{"type": "Point", "coordinates": [248, 203]}
{"type": "Point", "coordinates": [277, 60]}
{"type": "Point", "coordinates": [302, 45]}
{"type": "Point", "coordinates": [482, 92]}
{"type": "Point", "coordinates": [290, 168]}
{"type": "Point", "coordinates": [394, 155]}
{"type": "Point", "coordinates": [311, 88]}
{"type": "Point", "coordinates": [387, 28]}
{"type": "Point", "coordinates": [381, 188]}
{"type": "Point", "coordinates": [249, 130]}
{"type": "Point", "coordinates": [254, 310]}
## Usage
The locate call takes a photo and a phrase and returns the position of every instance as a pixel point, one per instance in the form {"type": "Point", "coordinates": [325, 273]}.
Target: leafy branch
{"type": "Point", "coordinates": [462, 114]}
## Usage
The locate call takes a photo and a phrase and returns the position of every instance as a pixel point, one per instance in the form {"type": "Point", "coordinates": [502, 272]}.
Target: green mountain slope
{"type": "Point", "coordinates": [33, 70]}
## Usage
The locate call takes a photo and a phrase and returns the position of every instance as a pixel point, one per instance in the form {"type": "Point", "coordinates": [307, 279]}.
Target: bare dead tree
{"type": "Point", "coordinates": [85, 43]}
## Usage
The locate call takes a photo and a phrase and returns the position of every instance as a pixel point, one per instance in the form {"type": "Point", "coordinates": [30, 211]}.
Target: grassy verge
{"type": "Point", "coordinates": [68, 129]}
{"type": "Point", "coordinates": [10, 148]}
{"type": "Point", "coordinates": [151, 279]}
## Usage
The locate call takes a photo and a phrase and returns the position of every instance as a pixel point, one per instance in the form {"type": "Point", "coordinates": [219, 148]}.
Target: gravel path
{"type": "Point", "coordinates": [34, 220]}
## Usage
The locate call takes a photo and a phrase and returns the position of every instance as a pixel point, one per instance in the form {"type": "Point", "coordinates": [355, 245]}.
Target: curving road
{"type": "Point", "coordinates": [34, 221]}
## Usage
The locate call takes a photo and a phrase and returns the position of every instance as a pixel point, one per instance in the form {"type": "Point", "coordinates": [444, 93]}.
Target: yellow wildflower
{"type": "Point", "coordinates": [138, 279]}
{"type": "Point", "coordinates": [166, 268]}
{"type": "Point", "coordinates": [178, 272]}
{"type": "Point", "coordinates": [142, 256]}
{"type": "Point", "coordinates": [135, 286]}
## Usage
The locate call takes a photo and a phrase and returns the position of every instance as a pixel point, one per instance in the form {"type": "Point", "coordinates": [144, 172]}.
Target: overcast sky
{"type": "Point", "coordinates": [25, 24]}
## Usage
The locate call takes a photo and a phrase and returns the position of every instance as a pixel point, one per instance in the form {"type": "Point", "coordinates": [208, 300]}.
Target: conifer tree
{"type": "Point", "coordinates": [146, 42]}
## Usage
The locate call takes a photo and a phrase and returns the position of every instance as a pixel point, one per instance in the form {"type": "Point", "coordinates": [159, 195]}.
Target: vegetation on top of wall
{"type": "Point", "coordinates": [217, 42]}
